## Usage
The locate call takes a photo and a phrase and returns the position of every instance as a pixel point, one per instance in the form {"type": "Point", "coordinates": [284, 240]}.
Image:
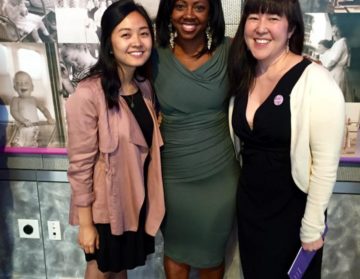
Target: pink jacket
{"type": "Point", "coordinates": [107, 150]}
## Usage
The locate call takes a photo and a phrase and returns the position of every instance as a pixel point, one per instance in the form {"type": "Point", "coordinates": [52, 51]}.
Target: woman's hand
{"type": "Point", "coordinates": [314, 245]}
{"type": "Point", "coordinates": [88, 238]}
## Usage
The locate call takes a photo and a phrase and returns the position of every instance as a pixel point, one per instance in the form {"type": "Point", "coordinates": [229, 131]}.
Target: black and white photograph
{"type": "Point", "coordinates": [26, 93]}
{"type": "Point", "coordinates": [333, 41]}
{"type": "Point", "coordinates": [79, 21]}
{"type": "Point", "coordinates": [27, 21]}
{"type": "Point", "coordinates": [345, 6]}
{"type": "Point", "coordinates": [74, 62]}
{"type": "Point", "coordinates": [315, 6]}
{"type": "Point", "coordinates": [330, 6]}
{"type": "Point", "coordinates": [48, 46]}
{"type": "Point", "coordinates": [351, 147]}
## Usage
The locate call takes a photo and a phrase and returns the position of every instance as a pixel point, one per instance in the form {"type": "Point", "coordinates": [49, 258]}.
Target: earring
{"type": "Point", "coordinates": [172, 36]}
{"type": "Point", "coordinates": [208, 37]}
{"type": "Point", "coordinates": [287, 46]}
{"type": "Point", "coordinates": [154, 30]}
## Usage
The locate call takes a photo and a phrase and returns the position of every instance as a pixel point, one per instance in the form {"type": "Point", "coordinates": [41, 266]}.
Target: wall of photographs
{"type": "Point", "coordinates": [47, 45]}
{"type": "Point", "coordinates": [55, 42]}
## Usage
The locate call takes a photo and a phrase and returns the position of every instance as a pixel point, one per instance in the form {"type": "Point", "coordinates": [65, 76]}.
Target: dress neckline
{"type": "Point", "coordinates": [212, 58]}
{"type": "Point", "coordinates": [293, 68]}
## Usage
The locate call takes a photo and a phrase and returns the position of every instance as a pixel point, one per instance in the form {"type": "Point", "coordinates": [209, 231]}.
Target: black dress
{"type": "Point", "coordinates": [129, 250]}
{"type": "Point", "coordinates": [270, 205]}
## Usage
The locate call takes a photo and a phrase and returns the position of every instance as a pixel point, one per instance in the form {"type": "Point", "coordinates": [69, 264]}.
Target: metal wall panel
{"type": "Point", "coordinates": [20, 257]}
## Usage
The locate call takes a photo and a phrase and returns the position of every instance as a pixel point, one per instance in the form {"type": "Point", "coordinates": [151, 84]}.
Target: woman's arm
{"type": "Point", "coordinates": [327, 122]}
{"type": "Point", "coordinates": [82, 119]}
{"type": "Point", "coordinates": [81, 115]}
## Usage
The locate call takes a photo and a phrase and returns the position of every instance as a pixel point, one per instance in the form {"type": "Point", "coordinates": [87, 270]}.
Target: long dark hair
{"type": "Point", "coordinates": [106, 67]}
{"type": "Point", "coordinates": [241, 63]}
{"type": "Point", "coordinates": [216, 23]}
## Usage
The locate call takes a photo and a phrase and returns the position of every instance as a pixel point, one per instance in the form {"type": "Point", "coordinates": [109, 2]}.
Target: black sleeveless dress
{"type": "Point", "coordinates": [270, 205]}
{"type": "Point", "coordinates": [129, 250]}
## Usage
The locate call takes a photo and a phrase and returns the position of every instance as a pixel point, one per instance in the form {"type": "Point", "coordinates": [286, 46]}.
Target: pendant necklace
{"type": "Point", "coordinates": [132, 105]}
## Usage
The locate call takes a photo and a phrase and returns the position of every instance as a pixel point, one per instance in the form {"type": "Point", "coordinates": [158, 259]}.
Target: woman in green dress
{"type": "Point", "coordinates": [200, 171]}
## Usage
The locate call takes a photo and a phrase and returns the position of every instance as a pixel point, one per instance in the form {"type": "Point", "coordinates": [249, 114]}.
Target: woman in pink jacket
{"type": "Point", "coordinates": [114, 149]}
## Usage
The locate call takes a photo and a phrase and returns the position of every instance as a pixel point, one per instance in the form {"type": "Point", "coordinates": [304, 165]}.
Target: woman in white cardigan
{"type": "Point", "coordinates": [289, 115]}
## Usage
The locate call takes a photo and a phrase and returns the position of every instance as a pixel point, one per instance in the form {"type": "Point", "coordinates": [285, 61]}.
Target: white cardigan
{"type": "Point", "coordinates": [317, 132]}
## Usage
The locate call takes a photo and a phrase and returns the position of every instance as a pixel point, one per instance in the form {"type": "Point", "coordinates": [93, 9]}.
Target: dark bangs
{"type": "Point", "coordinates": [276, 7]}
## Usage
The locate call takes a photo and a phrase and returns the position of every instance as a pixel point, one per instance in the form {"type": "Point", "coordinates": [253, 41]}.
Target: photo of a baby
{"type": "Point", "coordinates": [24, 109]}
{"type": "Point", "coordinates": [30, 118]}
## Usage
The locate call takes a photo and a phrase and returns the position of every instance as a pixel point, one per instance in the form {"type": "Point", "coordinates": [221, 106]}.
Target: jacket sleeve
{"type": "Point", "coordinates": [327, 122]}
{"type": "Point", "coordinates": [82, 122]}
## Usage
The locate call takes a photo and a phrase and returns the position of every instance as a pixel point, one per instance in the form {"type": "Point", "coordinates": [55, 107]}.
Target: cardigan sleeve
{"type": "Point", "coordinates": [327, 122]}
{"type": "Point", "coordinates": [82, 122]}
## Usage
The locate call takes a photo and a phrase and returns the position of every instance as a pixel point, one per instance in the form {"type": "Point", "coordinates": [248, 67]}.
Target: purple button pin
{"type": "Point", "coordinates": [278, 100]}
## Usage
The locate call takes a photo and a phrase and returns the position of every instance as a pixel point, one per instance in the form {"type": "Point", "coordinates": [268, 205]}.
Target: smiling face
{"type": "Point", "coordinates": [190, 18]}
{"type": "Point", "coordinates": [131, 42]}
{"type": "Point", "coordinates": [23, 84]}
{"type": "Point", "coordinates": [266, 36]}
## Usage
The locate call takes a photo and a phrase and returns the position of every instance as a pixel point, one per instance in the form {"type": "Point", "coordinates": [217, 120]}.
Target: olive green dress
{"type": "Point", "coordinates": [199, 168]}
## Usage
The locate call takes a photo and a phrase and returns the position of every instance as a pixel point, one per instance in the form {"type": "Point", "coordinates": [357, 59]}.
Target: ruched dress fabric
{"type": "Point", "coordinates": [270, 205]}
{"type": "Point", "coordinates": [200, 172]}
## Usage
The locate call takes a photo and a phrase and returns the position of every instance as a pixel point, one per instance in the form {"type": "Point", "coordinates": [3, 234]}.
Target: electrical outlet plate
{"type": "Point", "coordinates": [28, 228]}
{"type": "Point", "coordinates": [54, 230]}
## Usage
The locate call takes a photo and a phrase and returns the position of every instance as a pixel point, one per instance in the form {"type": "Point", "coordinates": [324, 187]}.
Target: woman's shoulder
{"type": "Point", "coordinates": [317, 71]}
{"type": "Point", "coordinates": [142, 82]}
{"type": "Point", "coordinates": [228, 39]}
{"type": "Point", "coordinates": [145, 87]}
{"type": "Point", "coordinates": [224, 45]}
{"type": "Point", "coordinates": [225, 42]}
{"type": "Point", "coordinates": [92, 84]}
{"type": "Point", "coordinates": [88, 97]}
{"type": "Point", "coordinates": [320, 80]}
{"type": "Point", "coordinates": [89, 88]}
{"type": "Point", "coordinates": [160, 51]}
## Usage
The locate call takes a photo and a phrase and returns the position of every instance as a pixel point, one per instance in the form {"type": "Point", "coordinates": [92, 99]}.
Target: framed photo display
{"type": "Point", "coordinates": [52, 48]}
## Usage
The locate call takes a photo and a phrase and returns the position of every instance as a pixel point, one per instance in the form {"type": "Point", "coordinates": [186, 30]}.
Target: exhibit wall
{"type": "Point", "coordinates": [51, 48]}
